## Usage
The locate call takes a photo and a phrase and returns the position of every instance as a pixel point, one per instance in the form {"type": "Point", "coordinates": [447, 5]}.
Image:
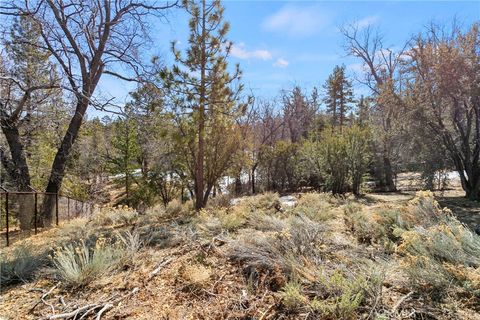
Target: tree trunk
{"type": "Point", "coordinates": [254, 168]}
{"type": "Point", "coordinates": [17, 169]}
{"type": "Point", "coordinates": [387, 167]}
{"type": "Point", "coordinates": [200, 163]}
{"type": "Point", "coordinates": [238, 186]}
{"type": "Point", "coordinates": [59, 165]}
{"type": "Point", "coordinates": [199, 185]}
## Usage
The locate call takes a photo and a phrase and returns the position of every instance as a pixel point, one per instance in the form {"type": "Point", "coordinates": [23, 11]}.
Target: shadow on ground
{"type": "Point", "coordinates": [467, 211]}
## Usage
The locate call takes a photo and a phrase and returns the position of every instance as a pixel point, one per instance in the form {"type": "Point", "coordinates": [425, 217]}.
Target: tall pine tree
{"type": "Point", "coordinates": [338, 96]}
{"type": "Point", "coordinates": [205, 99]}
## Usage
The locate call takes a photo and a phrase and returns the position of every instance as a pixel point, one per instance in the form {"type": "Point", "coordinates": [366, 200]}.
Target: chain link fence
{"type": "Point", "coordinates": [25, 213]}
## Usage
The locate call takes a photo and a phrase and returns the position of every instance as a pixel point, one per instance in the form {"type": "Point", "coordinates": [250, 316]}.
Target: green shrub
{"type": "Point", "coordinates": [338, 296]}
{"type": "Point", "coordinates": [374, 226]}
{"type": "Point", "coordinates": [333, 295]}
{"type": "Point", "coordinates": [22, 267]}
{"type": "Point", "coordinates": [292, 296]}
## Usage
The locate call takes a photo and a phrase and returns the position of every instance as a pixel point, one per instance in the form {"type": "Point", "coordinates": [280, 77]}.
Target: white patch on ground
{"type": "Point", "coordinates": [288, 201]}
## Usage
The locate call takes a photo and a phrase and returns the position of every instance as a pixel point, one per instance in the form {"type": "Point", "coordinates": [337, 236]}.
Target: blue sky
{"type": "Point", "coordinates": [279, 44]}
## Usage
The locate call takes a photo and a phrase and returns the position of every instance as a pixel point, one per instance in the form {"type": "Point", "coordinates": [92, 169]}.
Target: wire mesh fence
{"type": "Point", "coordinates": [25, 213]}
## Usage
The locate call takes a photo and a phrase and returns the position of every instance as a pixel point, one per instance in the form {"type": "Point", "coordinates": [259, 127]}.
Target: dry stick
{"type": "Point", "coordinates": [266, 312]}
{"type": "Point", "coordinates": [42, 299]}
{"type": "Point", "coordinates": [402, 300]}
{"type": "Point", "coordinates": [105, 308]}
{"type": "Point", "coordinates": [90, 310]}
{"type": "Point", "coordinates": [108, 305]}
{"type": "Point", "coordinates": [158, 268]}
{"type": "Point", "coordinates": [74, 313]}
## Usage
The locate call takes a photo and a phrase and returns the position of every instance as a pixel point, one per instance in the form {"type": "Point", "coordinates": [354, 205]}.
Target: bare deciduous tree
{"type": "Point", "coordinates": [445, 72]}
{"type": "Point", "coordinates": [87, 39]}
{"type": "Point", "coordinates": [382, 65]}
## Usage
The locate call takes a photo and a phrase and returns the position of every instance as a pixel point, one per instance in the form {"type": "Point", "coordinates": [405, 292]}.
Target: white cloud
{"type": "Point", "coordinates": [367, 22]}
{"type": "Point", "coordinates": [239, 51]}
{"type": "Point", "coordinates": [298, 21]}
{"type": "Point", "coordinates": [281, 63]}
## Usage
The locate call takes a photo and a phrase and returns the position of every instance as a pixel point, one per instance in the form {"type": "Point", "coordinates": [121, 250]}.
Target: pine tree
{"type": "Point", "coordinates": [125, 153]}
{"type": "Point", "coordinates": [362, 112]}
{"type": "Point", "coordinates": [338, 96]}
{"type": "Point", "coordinates": [205, 102]}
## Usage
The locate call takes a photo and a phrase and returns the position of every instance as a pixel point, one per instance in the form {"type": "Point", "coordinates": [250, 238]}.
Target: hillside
{"type": "Point", "coordinates": [262, 258]}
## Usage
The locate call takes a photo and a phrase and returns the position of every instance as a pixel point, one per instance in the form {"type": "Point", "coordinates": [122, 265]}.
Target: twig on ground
{"type": "Point", "coordinates": [88, 309]}
{"type": "Point", "coordinates": [160, 266]}
{"type": "Point", "coordinates": [264, 314]}
{"type": "Point", "coordinates": [108, 303]}
{"type": "Point", "coordinates": [402, 300]}
{"type": "Point", "coordinates": [42, 298]}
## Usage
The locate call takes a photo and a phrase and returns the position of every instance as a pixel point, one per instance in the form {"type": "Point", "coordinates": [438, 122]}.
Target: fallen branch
{"type": "Point", "coordinates": [106, 307]}
{"type": "Point", "coordinates": [264, 314]}
{"type": "Point", "coordinates": [159, 268]}
{"type": "Point", "coordinates": [402, 300]}
{"type": "Point", "coordinates": [72, 314]}
{"type": "Point", "coordinates": [109, 303]}
{"type": "Point", "coordinates": [86, 310]}
{"type": "Point", "coordinates": [42, 299]}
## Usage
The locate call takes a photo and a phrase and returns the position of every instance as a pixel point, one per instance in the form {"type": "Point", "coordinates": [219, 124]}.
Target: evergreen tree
{"type": "Point", "coordinates": [124, 160]}
{"type": "Point", "coordinates": [362, 112]}
{"type": "Point", "coordinates": [338, 96]}
{"type": "Point", "coordinates": [204, 99]}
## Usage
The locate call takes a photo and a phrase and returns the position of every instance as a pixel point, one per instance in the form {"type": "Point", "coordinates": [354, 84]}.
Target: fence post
{"type": "Point", "coordinates": [56, 208]}
{"type": "Point", "coordinates": [36, 212]}
{"type": "Point", "coordinates": [6, 211]}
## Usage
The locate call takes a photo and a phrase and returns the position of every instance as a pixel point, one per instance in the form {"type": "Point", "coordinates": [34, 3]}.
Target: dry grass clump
{"type": "Point", "coordinates": [440, 256]}
{"type": "Point", "coordinates": [385, 224]}
{"type": "Point", "coordinates": [220, 201]}
{"type": "Point", "coordinates": [268, 202]}
{"type": "Point", "coordinates": [22, 267]}
{"type": "Point", "coordinates": [316, 206]}
{"type": "Point", "coordinates": [212, 222]}
{"type": "Point", "coordinates": [78, 264]}
{"type": "Point", "coordinates": [74, 229]}
{"type": "Point", "coordinates": [276, 256]}
{"type": "Point", "coordinates": [439, 253]}
{"type": "Point", "coordinates": [373, 227]}
{"type": "Point", "coordinates": [194, 276]}
{"type": "Point", "coordinates": [176, 208]}
{"type": "Point", "coordinates": [114, 216]}
{"type": "Point", "coordinates": [264, 222]}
